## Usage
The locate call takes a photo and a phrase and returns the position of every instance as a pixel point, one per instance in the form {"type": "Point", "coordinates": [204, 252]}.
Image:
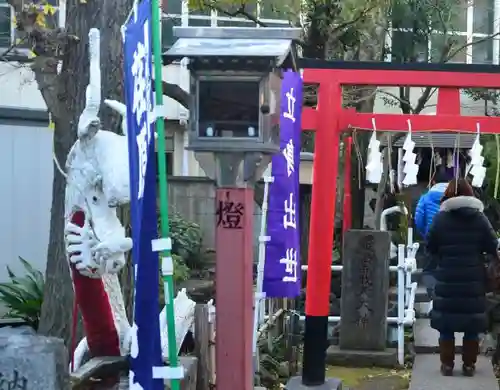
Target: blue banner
{"type": "Point", "coordinates": [282, 263]}
{"type": "Point", "coordinates": [146, 347]}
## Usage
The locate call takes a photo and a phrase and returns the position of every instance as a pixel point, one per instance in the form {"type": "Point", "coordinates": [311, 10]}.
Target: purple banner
{"type": "Point", "coordinates": [282, 266]}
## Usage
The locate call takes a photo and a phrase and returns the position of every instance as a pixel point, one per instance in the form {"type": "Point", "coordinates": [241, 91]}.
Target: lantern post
{"type": "Point", "coordinates": [234, 131]}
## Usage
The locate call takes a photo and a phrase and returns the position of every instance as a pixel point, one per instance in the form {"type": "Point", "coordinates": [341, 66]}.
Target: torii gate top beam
{"type": "Point", "coordinates": [448, 78]}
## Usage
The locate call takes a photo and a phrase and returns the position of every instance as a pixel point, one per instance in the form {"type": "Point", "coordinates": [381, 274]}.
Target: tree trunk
{"type": "Point", "coordinates": [108, 16]}
{"type": "Point", "coordinates": [58, 295]}
{"type": "Point", "coordinates": [371, 48]}
{"type": "Point", "coordinates": [382, 186]}
{"type": "Point", "coordinates": [358, 185]}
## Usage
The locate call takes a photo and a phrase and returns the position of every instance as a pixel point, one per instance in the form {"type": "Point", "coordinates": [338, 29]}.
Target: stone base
{"type": "Point", "coordinates": [295, 383]}
{"type": "Point", "coordinates": [41, 362]}
{"type": "Point", "coordinates": [354, 358]}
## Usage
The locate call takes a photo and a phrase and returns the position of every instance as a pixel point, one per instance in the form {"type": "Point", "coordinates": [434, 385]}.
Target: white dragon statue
{"type": "Point", "coordinates": [97, 173]}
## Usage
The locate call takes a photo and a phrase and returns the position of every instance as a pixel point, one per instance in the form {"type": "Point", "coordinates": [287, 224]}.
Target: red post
{"type": "Point", "coordinates": [347, 206]}
{"type": "Point", "coordinates": [234, 288]}
{"type": "Point", "coordinates": [448, 101]}
{"type": "Point", "coordinates": [325, 166]}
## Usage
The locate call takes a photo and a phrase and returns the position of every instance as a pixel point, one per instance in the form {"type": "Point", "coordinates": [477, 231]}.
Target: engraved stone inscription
{"type": "Point", "coordinates": [365, 285]}
{"type": "Point", "coordinates": [32, 362]}
{"type": "Point", "coordinates": [12, 381]}
{"type": "Point", "coordinates": [365, 282]}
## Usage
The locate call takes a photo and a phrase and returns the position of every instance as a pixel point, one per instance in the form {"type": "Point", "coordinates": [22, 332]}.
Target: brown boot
{"type": "Point", "coordinates": [470, 350]}
{"type": "Point", "coordinates": [447, 355]}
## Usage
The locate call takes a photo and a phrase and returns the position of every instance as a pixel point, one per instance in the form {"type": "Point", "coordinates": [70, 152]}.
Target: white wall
{"type": "Point", "coordinates": [26, 174]}
{"type": "Point", "coordinates": [184, 162]}
{"type": "Point", "coordinates": [176, 74]}
{"type": "Point", "coordinates": [19, 90]}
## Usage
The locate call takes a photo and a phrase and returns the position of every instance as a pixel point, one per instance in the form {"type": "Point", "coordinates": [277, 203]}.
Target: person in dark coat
{"type": "Point", "coordinates": [458, 238]}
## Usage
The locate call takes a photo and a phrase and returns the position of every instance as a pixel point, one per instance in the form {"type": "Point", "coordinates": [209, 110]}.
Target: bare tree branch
{"type": "Point", "coordinates": [6, 54]}
{"type": "Point", "coordinates": [342, 26]}
{"type": "Point", "coordinates": [444, 57]}
{"type": "Point", "coordinates": [175, 92]}
{"type": "Point", "coordinates": [48, 43]}
{"type": "Point", "coordinates": [240, 11]}
{"type": "Point", "coordinates": [475, 42]}
{"type": "Point", "coordinates": [401, 100]}
{"type": "Point", "coordinates": [20, 58]}
{"type": "Point", "coordinates": [404, 99]}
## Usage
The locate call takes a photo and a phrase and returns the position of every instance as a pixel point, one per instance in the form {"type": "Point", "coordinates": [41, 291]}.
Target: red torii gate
{"type": "Point", "coordinates": [329, 120]}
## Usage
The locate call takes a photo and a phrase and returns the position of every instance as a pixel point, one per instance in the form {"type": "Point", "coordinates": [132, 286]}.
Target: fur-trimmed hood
{"type": "Point", "coordinates": [461, 202]}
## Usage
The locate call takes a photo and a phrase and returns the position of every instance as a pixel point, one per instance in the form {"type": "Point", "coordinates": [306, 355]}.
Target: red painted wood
{"type": "Point", "coordinates": [309, 119]}
{"type": "Point", "coordinates": [325, 168]}
{"type": "Point", "coordinates": [448, 116]}
{"type": "Point", "coordinates": [329, 119]}
{"type": "Point", "coordinates": [433, 123]}
{"type": "Point", "coordinates": [448, 101]}
{"type": "Point", "coordinates": [399, 122]}
{"type": "Point", "coordinates": [402, 77]}
{"type": "Point", "coordinates": [234, 295]}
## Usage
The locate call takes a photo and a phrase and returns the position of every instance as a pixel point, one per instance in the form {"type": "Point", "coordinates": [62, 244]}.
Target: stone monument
{"type": "Point", "coordinates": [364, 302]}
{"type": "Point", "coordinates": [30, 362]}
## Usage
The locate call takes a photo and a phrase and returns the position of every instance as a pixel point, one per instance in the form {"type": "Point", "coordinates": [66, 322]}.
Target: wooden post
{"type": "Point", "coordinates": [234, 293]}
{"type": "Point", "coordinates": [202, 339]}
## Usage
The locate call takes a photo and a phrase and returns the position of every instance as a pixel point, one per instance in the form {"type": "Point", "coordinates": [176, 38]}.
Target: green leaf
{"type": "Point", "coordinates": [10, 297]}
{"type": "Point", "coordinates": [10, 273]}
{"type": "Point", "coordinates": [23, 296]}
{"type": "Point", "coordinates": [28, 267]}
